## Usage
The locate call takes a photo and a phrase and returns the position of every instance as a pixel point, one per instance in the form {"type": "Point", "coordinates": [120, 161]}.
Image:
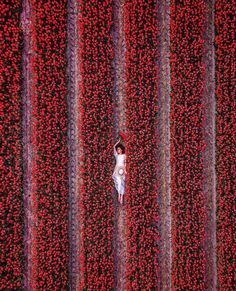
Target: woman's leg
{"type": "Point", "coordinates": [122, 190]}
{"type": "Point", "coordinates": [119, 188]}
{"type": "Point", "coordinates": [121, 199]}
{"type": "Point", "coordinates": [117, 182]}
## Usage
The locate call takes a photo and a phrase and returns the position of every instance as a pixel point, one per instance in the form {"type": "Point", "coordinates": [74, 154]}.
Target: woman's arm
{"type": "Point", "coordinates": [115, 153]}
{"type": "Point", "coordinates": [125, 165]}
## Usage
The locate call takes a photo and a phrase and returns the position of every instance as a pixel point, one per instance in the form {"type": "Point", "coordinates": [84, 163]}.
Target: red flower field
{"type": "Point", "coordinates": [75, 77]}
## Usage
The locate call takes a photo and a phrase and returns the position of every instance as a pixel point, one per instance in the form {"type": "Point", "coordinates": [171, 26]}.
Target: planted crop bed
{"type": "Point", "coordinates": [95, 127]}
{"type": "Point", "coordinates": [11, 152]}
{"type": "Point", "coordinates": [187, 104]}
{"type": "Point", "coordinates": [141, 101]}
{"type": "Point", "coordinates": [50, 244]}
{"type": "Point", "coordinates": [225, 141]}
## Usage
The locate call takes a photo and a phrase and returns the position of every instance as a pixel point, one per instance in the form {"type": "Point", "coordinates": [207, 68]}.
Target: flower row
{"type": "Point", "coordinates": [141, 32]}
{"type": "Point", "coordinates": [225, 142]}
{"type": "Point", "coordinates": [96, 258]}
{"type": "Point", "coordinates": [50, 239]}
{"type": "Point", "coordinates": [187, 144]}
{"type": "Point", "coordinates": [11, 182]}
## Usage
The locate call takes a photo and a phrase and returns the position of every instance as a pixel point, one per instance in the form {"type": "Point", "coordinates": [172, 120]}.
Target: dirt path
{"type": "Point", "coordinates": [119, 117]}
{"type": "Point", "coordinates": [27, 149]}
{"type": "Point", "coordinates": [210, 151]}
{"type": "Point", "coordinates": [73, 143]}
{"type": "Point", "coordinates": [164, 152]}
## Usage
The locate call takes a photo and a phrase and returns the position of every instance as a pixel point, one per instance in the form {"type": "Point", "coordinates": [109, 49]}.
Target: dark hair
{"type": "Point", "coordinates": [119, 145]}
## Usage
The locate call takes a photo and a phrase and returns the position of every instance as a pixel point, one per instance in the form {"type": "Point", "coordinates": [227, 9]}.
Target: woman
{"type": "Point", "coordinates": [120, 170]}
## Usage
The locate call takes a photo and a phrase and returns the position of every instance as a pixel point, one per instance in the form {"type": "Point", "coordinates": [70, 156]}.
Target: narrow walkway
{"type": "Point", "coordinates": [119, 119]}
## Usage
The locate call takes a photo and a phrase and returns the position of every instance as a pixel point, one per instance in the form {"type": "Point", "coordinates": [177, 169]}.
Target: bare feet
{"type": "Point", "coordinates": [120, 198]}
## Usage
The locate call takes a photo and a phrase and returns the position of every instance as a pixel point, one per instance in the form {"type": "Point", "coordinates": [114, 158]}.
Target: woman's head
{"type": "Point", "coordinates": [120, 149]}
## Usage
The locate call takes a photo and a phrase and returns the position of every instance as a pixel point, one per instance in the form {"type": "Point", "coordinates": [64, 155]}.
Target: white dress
{"type": "Point", "coordinates": [118, 174]}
